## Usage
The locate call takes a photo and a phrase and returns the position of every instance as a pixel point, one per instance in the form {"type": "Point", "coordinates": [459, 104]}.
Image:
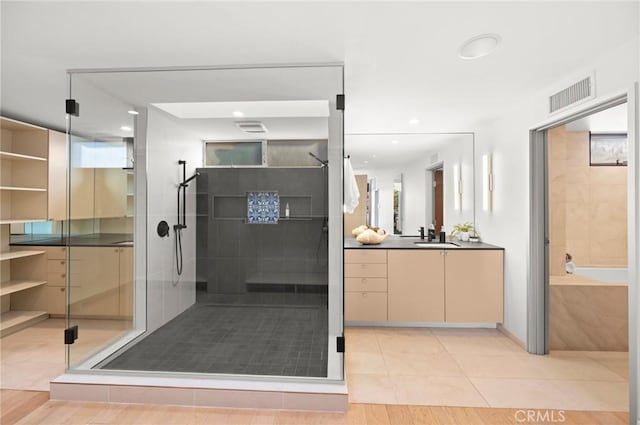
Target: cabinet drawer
{"type": "Point", "coordinates": [365, 284]}
{"type": "Point", "coordinates": [365, 256]}
{"type": "Point", "coordinates": [367, 306]}
{"type": "Point", "coordinates": [57, 253]}
{"type": "Point", "coordinates": [365, 270]}
{"type": "Point", "coordinates": [56, 266]}
{"type": "Point", "coordinates": [56, 278]}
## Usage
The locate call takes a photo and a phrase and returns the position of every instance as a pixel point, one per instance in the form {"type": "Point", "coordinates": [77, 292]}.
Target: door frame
{"type": "Point", "coordinates": [538, 270]}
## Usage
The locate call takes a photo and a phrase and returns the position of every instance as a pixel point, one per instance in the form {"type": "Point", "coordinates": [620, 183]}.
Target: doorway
{"type": "Point", "coordinates": [438, 199]}
{"type": "Point", "coordinates": [543, 253]}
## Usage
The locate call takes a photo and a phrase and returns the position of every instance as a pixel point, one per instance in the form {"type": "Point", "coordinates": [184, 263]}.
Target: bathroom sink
{"type": "Point", "coordinates": [126, 243]}
{"type": "Point", "coordinates": [425, 244]}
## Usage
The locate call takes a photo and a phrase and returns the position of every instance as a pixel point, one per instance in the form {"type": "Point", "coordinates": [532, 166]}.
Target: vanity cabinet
{"type": "Point", "coordinates": [424, 285]}
{"type": "Point", "coordinates": [474, 286]}
{"type": "Point", "coordinates": [365, 272]}
{"type": "Point", "coordinates": [416, 285]}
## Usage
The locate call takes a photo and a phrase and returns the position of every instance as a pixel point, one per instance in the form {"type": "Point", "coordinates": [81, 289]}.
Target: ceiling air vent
{"type": "Point", "coordinates": [251, 126]}
{"type": "Point", "coordinates": [575, 93]}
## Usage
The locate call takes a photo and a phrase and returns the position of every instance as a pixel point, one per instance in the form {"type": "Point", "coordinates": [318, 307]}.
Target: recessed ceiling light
{"type": "Point", "coordinates": [395, 142]}
{"type": "Point", "coordinates": [414, 121]}
{"type": "Point", "coordinates": [238, 114]}
{"type": "Point", "coordinates": [365, 161]}
{"type": "Point", "coordinates": [125, 128]}
{"type": "Point", "coordinates": [132, 112]}
{"type": "Point", "coordinates": [479, 46]}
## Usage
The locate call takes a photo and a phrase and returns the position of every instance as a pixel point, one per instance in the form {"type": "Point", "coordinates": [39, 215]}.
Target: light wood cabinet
{"type": "Point", "coordinates": [424, 285]}
{"type": "Point", "coordinates": [416, 286]}
{"type": "Point", "coordinates": [110, 192]}
{"type": "Point", "coordinates": [365, 272]}
{"type": "Point", "coordinates": [95, 270]}
{"type": "Point", "coordinates": [57, 191]}
{"type": "Point", "coordinates": [474, 286]}
{"type": "Point", "coordinates": [126, 282]}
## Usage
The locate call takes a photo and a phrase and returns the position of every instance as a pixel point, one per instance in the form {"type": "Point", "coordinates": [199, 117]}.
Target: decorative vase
{"type": "Point", "coordinates": [464, 236]}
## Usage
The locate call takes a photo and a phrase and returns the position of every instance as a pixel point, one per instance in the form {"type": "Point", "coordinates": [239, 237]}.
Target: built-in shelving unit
{"type": "Point", "coordinates": [12, 255]}
{"type": "Point", "coordinates": [24, 183]}
{"type": "Point", "coordinates": [19, 285]}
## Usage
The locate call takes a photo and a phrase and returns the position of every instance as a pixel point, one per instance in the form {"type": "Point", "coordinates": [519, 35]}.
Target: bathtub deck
{"type": "Point", "coordinates": [577, 280]}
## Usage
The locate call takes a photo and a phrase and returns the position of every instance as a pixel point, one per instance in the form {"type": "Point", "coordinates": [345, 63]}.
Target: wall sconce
{"type": "Point", "coordinates": [457, 188]}
{"type": "Point", "coordinates": [487, 182]}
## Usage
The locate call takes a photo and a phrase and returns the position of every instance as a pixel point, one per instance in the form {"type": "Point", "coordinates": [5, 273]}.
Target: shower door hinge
{"type": "Point", "coordinates": [340, 344]}
{"type": "Point", "coordinates": [70, 335]}
{"type": "Point", "coordinates": [72, 107]}
{"type": "Point", "coordinates": [340, 102]}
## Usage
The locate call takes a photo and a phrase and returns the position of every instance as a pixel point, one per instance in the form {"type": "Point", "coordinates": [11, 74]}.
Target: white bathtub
{"type": "Point", "coordinates": [604, 274]}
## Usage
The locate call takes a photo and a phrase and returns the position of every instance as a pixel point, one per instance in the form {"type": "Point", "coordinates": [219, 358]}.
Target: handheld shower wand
{"type": "Point", "coordinates": [182, 224]}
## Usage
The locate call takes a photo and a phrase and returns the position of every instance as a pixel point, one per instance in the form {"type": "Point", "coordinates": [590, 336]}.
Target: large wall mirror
{"type": "Point", "coordinates": [415, 180]}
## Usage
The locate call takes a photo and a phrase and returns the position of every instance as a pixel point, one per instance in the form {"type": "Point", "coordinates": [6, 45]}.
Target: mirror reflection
{"type": "Point", "coordinates": [410, 181]}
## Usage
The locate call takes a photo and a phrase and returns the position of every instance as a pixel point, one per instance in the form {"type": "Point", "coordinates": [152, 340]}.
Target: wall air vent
{"type": "Point", "coordinates": [251, 126]}
{"type": "Point", "coordinates": [580, 91]}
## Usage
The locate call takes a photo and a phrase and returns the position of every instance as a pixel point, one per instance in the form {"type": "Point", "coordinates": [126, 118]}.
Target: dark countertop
{"type": "Point", "coordinates": [401, 242]}
{"type": "Point", "coordinates": [95, 239]}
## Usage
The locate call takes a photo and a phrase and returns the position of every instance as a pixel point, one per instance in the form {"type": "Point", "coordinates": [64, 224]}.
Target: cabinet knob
{"type": "Point", "coordinates": [364, 266]}
{"type": "Point", "coordinates": [62, 289]}
{"type": "Point", "coordinates": [364, 295]}
{"type": "Point", "coordinates": [63, 275]}
{"type": "Point", "coordinates": [364, 280]}
{"type": "Point", "coordinates": [62, 262]}
{"type": "Point", "coordinates": [116, 250]}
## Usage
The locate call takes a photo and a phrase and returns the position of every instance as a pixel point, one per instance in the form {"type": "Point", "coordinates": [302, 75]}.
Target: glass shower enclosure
{"type": "Point", "coordinates": [205, 222]}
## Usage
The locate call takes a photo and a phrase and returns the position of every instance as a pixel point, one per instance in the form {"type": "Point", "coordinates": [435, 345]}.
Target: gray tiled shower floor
{"type": "Point", "coordinates": [238, 339]}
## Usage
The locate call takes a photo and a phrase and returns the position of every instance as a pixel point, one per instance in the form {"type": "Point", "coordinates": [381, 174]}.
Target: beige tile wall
{"type": "Point", "coordinates": [588, 205]}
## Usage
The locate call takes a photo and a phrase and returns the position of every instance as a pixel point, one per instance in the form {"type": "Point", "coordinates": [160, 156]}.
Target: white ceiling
{"type": "Point", "coordinates": [400, 58]}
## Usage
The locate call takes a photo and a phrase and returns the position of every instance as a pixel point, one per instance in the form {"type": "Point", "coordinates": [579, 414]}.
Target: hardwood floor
{"type": "Point", "coordinates": [16, 404]}
{"type": "Point", "coordinates": [34, 408]}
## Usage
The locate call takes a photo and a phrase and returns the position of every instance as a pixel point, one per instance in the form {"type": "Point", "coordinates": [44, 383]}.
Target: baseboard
{"type": "Point", "coordinates": [356, 323]}
{"type": "Point", "coordinates": [511, 336]}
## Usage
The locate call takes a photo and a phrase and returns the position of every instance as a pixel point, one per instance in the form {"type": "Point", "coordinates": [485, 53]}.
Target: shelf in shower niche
{"type": "Point", "coordinates": [280, 278]}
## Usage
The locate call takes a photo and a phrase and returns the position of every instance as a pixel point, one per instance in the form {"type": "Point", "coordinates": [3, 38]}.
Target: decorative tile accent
{"type": "Point", "coordinates": [263, 207]}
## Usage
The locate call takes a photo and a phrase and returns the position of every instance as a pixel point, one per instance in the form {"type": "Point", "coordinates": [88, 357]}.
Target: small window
{"type": "Point", "coordinates": [234, 153]}
{"type": "Point", "coordinates": [608, 149]}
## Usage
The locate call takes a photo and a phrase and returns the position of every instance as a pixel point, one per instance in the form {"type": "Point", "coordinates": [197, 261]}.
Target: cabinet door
{"type": "Point", "coordinates": [81, 194]}
{"type": "Point", "coordinates": [126, 282]}
{"type": "Point", "coordinates": [416, 285]}
{"type": "Point", "coordinates": [110, 192]}
{"type": "Point", "coordinates": [95, 270]}
{"type": "Point", "coordinates": [57, 191]}
{"type": "Point", "coordinates": [474, 286]}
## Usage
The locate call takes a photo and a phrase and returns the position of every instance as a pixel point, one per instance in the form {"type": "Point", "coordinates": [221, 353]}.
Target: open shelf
{"type": "Point", "coordinates": [20, 220]}
{"type": "Point", "coordinates": [4, 256]}
{"type": "Point", "coordinates": [13, 321]}
{"type": "Point", "coordinates": [23, 189]}
{"type": "Point", "coordinates": [19, 157]}
{"type": "Point", "coordinates": [19, 285]}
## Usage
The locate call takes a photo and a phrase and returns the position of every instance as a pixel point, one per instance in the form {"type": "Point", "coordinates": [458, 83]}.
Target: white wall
{"type": "Point", "coordinates": [167, 142]}
{"type": "Point", "coordinates": [507, 139]}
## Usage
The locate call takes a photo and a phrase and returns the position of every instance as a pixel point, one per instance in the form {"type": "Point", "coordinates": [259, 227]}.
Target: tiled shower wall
{"type": "Point", "coordinates": [587, 205]}
{"type": "Point", "coordinates": [230, 251]}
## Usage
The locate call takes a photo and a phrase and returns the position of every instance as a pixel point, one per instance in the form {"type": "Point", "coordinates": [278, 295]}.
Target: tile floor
{"type": "Point", "coordinates": [478, 368]}
{"type": "Point", "coordinates": [237, 339]}
{"type": "Point", "coordinates": [32, 357]}
{"type": "Point", "coordinates": [445, 367]}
